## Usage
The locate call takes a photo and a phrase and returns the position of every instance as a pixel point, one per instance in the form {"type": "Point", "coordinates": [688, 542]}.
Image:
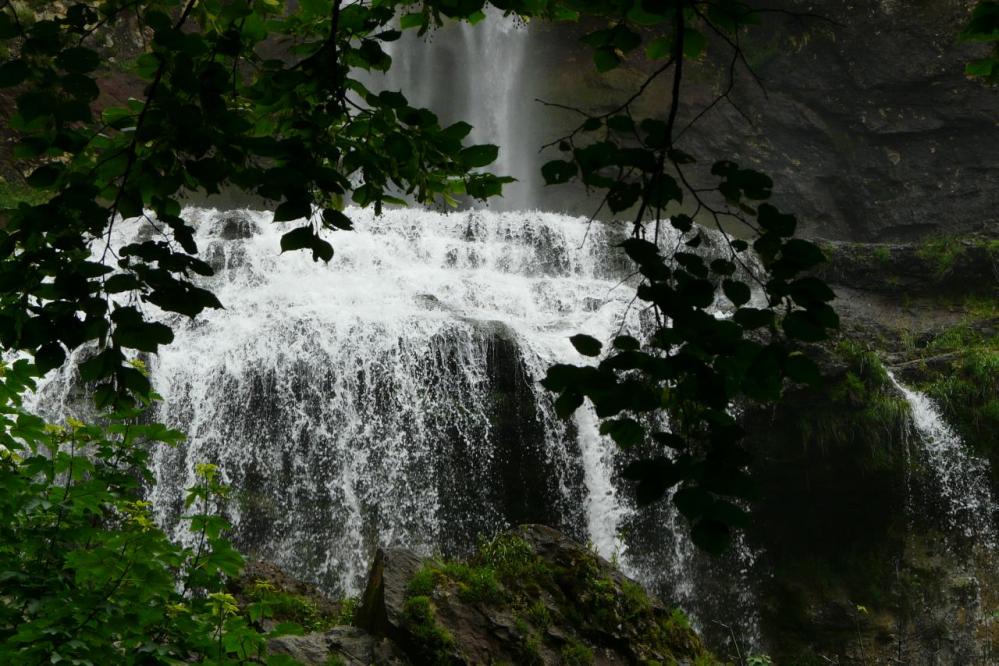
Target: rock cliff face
{"type": "Point", "coordinates": [862, 114]}
{"type": "Point", "coordinates": [864, 118]}
{"type": "Point", "coordinates": [869, 126]}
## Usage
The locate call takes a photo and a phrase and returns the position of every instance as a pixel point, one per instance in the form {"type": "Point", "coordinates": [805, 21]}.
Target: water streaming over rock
{"type": "Point", "coordinates": [962, 478]}
{"type": "Point", "coordinates": [392, 397]}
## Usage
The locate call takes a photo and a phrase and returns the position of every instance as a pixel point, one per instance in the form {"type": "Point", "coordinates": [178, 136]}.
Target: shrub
{"type": "Point", "coordinates": [87, 576]}
{"type": "Point", "coordinates": [575, 653]}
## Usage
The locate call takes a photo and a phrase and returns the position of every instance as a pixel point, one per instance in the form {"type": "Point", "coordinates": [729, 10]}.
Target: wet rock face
{"type": "Point", "coordinates": [236, 227]}
{"type": "Point", "coordinates": [867, 124]}
{"type": "Point", "coordinates": [381, 610]}
{"type": "Point", "coordinates": [349, 646]}
{"type": "Point", "coordinates": [870, 129]}
{"type": "Point", "coordinates": [521, 471]}
{"type": "Point", "coordinates": [860, 560]}
{"type": "Point", "coordinates": [939, 267]}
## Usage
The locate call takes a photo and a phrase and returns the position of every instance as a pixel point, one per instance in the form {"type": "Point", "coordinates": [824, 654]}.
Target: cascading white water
{"type": "Point", "coordinates": [962, 478]}
{"type": "Point", "coordinates": [604, 511]}
{"type": "Point", "coordinates": [364, 385]}
{"type": "Point", "coordinates": [356, 402]}
{"type": "Point", "coordinates": [391, 396]}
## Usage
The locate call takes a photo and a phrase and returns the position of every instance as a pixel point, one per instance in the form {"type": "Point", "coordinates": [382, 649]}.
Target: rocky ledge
{"type": "Point", "coordinates": [529, 596]}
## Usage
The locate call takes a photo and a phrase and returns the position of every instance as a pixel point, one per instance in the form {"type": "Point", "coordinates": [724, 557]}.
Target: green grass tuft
{"type": "Point", "coordinates": [434, 642]}
{"type": "Point", "coordinates": [575, 653]}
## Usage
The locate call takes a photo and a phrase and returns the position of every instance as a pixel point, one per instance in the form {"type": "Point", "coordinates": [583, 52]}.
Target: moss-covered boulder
{"type": "Point", "coordinates": [530, 596]}
{"type": "Point", "coordinates": [288, 599]}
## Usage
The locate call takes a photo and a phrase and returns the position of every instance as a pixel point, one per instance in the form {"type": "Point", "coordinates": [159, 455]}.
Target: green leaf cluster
{"type": "Point", "coordinates": [983, 27]}
{"type": "Point", "coordinates": [669, 397]}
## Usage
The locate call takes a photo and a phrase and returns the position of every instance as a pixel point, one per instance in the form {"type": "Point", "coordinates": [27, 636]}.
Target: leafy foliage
{"type": "Point", "coordinates": [85, 574]}
{"type": "Point", "coordinates": [692, 365]}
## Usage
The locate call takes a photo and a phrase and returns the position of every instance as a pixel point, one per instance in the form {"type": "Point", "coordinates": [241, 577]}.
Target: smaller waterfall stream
{"type": "Point", "coordinates": [962, 478]}
{"type": "Point", "coordinates": [604, 511]}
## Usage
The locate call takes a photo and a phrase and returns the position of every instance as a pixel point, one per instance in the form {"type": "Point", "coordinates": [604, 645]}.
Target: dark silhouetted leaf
{"type": "Point", "coordinates": [624, 431]}
{"type": "Point", "coordinates": [12, 73]}
{"type": "Point", "coordinates": [800, 368]}
{"type": "Point", "coordinates": [558, 171]}
{"type": "Point", "coordinates": [478, 156]}
{"type": "Point", "coordinates": [737, 292]}
{"type": "Point", "coordinates": [605, 59]}
{"type": "Point", "coordinates": [292, 210]}
{"type": "Point", "coordinates": [586, 345]}
{"type": "Point", "coordinates": [711, 536]}
{"type": "Point", "coordinates": [297, 239]}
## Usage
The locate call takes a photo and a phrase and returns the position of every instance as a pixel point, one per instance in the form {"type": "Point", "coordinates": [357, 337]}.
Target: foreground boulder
{"type": "Point", "coordinates": [531, 596]}
{"type": "Point", "coordinates": [346, 646]}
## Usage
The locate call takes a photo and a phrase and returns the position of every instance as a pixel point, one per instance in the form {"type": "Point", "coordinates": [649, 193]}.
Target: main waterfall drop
{"type": "Point", "coordinates": [391, 396]}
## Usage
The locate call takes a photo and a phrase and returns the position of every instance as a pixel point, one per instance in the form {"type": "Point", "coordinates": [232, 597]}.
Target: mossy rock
{"type": "Point", "coordinates": [533, 596]}
{"type": "Point", "coordinates": [285, 599]}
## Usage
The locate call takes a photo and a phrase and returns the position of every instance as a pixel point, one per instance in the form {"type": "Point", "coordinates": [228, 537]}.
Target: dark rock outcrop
{"type": "Point", "coordinates": [959, 266]}
{"type": "Point", "coordinates": [381, 609]}
{"type": "Point", "coordinates": [530, 596]}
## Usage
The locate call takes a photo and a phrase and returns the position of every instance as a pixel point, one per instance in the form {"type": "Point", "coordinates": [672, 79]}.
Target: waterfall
{"type": "Point", "coordinates": [368, 396]}
{"type": "Point", "coordinates": [391, 397]}
{"type": "Point", "coordinates": [476, 73]}
{"type": "Point", "coordinates": [962, 478]}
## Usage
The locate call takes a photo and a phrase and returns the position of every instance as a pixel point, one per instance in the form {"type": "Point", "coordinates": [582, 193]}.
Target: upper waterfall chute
{"type": "Point", "coordinates": [475, 73]}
